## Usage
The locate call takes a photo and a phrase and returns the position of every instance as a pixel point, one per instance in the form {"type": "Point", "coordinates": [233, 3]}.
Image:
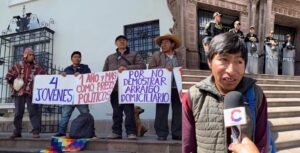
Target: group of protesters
{"type": "Point", "coordinates": [20, 77]}
{"type": "Point", "coordinates": [271, 47]}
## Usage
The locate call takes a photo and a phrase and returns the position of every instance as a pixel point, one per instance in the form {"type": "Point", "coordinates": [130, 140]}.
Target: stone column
{"type": "Point", "coordinates": [253, 10]}
{"type": "Point", "coordinates": [245, 24]}
{"type": "Point", "coordinates": [265, 25]}
{"type": "Point", "coordinates": [176, 8]}
{"type": "Point", "coordinates": [191, 33]}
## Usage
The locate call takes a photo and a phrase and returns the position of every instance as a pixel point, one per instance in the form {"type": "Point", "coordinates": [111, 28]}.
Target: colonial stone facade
{"type": "Point", "coordinates": [265, 15]}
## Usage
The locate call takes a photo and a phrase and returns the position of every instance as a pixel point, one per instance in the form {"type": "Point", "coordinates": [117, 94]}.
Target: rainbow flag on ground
{"type": "Point", "coordinates": [64, 144]}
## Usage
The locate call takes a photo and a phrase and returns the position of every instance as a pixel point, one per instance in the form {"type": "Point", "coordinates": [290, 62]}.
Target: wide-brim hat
{"type": "Point", "coordinates": [171, 37]}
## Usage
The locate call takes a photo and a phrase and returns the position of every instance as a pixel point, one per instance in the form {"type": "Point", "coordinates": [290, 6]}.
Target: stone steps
{"type": "Point", "coordinates": [283, 112]}
{"type": "Point", "coordinates": [281, 102]}
{"type": "Point", "coordinates": [198, 78]}
{"type": "Point", "coordinates": [274, 87]}
{"type": "Point", "coordinates": [261, 76]}
{"type": "Point", "coordinates": [287, 139]}
{"type": "Point", "coordinates": [285, 124]}
{"type": "Point", "coordinates": [282, 94]}
{"type": "Point", "coordinates": [19, 150]}
{"type": "Point", "coordinates": [145, 144]}
{"type": "Point", "coordinates": [293, 150]}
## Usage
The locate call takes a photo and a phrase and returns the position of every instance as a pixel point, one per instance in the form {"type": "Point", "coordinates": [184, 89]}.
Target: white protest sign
{"type": "Point", "coordinates": [177, 71]}
{"type": "Point", "coordinates": [145, 86]}
{"type": "Point", "coordinates": [88, 88]}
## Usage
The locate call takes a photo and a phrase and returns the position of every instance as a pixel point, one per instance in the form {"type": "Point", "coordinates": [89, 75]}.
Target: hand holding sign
{"type": "Point", "coordinates": [70, 90]}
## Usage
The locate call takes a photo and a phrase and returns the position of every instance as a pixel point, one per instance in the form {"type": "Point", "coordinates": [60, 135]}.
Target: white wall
{"type": "Point", "coordinates": [91, 27]}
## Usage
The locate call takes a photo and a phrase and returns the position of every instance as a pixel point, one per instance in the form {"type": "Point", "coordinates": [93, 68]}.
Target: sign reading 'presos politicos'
{"type": "Point", "coordinates": [70, 90]}
{"type": "Point", "coordinates": [145, 86]}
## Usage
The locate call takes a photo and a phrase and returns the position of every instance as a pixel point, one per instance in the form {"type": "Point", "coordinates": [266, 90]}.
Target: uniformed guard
{"type": "Point", "coordinates": [215, 27]}
{"type": "Point", "coordinates": [236, 29]}
{"type": "Point", "coordinates": [251, 42]}
{"type": "Point", "coordinates": [288, 63]}
{"type": "Point", "coordinates": [271, 51]}
{"type": "Point", "coordinates": [212, 29]}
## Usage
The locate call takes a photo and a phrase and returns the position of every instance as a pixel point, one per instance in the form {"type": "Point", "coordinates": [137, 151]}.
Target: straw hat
{"type": "Point", "coordinates": [171, 37]}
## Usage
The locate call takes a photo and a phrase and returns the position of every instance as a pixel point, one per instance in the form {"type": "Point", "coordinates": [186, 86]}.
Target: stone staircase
{"type": "Point", "coordinates": [147, 144]}
{"type": "Point", "coordinates": [283, 96]}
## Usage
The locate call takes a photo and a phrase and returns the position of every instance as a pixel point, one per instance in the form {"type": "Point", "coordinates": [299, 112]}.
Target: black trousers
{"type": "Point", "coordinates": [161, 117]}
{"type": "Point", "coordinates": [118, 110]}
{"type": "Point", "coordinates": [33, 110]}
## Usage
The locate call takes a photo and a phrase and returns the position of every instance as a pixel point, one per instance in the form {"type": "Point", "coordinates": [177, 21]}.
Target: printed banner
{"type": "Point", "coordinates": [88, 88]}
{"type": "Point", "coordinates": [145, 86]}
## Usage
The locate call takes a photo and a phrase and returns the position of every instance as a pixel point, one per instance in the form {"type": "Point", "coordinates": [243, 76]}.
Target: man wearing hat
{"type": "Point", "coordinates": [20, 78]}
{"type": "Point", "coordinates": [251, 36]}
{"type": "Point", "coordinates": [215, 27]}
{"type": "Point", "coordinates": [168, 59]}
{"type": "Point", "coordinates": [271, 53]}
{"type": "Point", "coordinates": [237, 29]}
{"type": "Point", "coordinates": [123, 59]}
{"type": "Point", "coordinates": [288, 52]}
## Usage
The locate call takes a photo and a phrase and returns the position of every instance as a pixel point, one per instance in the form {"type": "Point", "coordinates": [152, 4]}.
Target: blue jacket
{"type": "Point", "coordinates": [82, 69]}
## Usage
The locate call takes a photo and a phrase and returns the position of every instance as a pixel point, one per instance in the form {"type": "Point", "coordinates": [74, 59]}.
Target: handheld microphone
{"type": "Point", "coordinates": [234, 114]}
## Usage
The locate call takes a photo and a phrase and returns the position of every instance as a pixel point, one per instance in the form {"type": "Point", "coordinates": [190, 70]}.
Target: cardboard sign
{"type": "Point", "coordinates": [88, 88]}
{"type": "Point", "coordinates": [145, 86]}
{"type": "Point", "coordinates": [177, 71]}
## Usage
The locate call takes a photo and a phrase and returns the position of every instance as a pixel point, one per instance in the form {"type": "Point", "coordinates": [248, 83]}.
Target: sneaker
{"type": "Point", "coordinates": [114, 136]}
{"type": "Point", "coordinates": [59, 135]}
{"type": "Point", "coordinates": [35, 135]}
{"type": "Point", "coordinates": [131, 137]}
{"type": "Point", "coordinates": [13, 136]}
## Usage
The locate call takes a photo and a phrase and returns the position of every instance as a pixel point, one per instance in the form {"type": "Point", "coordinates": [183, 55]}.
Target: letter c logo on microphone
{"type": "Point", "coordinates": [235, 115]}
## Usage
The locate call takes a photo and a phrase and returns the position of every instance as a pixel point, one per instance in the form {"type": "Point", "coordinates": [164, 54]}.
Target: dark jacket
{"type": "Point", "coordinates": [26, 69]}
{"type": "Point", "coordinates": [268, 40]}
{"type": "Point", "coordinates": [82, 69]}
{"type": "Point", "coordinates": [238, 32]}
{"type": "Point", "coordinates": [288, 45]}
{"type": "Point", "coordinates": [251, 38]}
{"type": "Point", "coordinates": [212, 29]}
{"type": "Point", "coordinates": [131, 60]}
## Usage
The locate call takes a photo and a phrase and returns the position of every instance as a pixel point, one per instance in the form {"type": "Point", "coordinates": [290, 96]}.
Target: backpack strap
{"type": "Point", "coordinates": [251, 98]}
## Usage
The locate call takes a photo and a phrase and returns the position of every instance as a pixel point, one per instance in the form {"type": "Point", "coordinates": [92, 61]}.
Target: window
{"type": "Point", "coordinates": [41, 56]}
{"type": "Point", "coordinates": [16, 2]}
{"type": "Point", "coordinates": [141, 37]}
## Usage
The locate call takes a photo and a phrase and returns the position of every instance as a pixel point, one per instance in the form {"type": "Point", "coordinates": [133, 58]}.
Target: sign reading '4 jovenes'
{"type": "Point", "coordinates": [70, 90]}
